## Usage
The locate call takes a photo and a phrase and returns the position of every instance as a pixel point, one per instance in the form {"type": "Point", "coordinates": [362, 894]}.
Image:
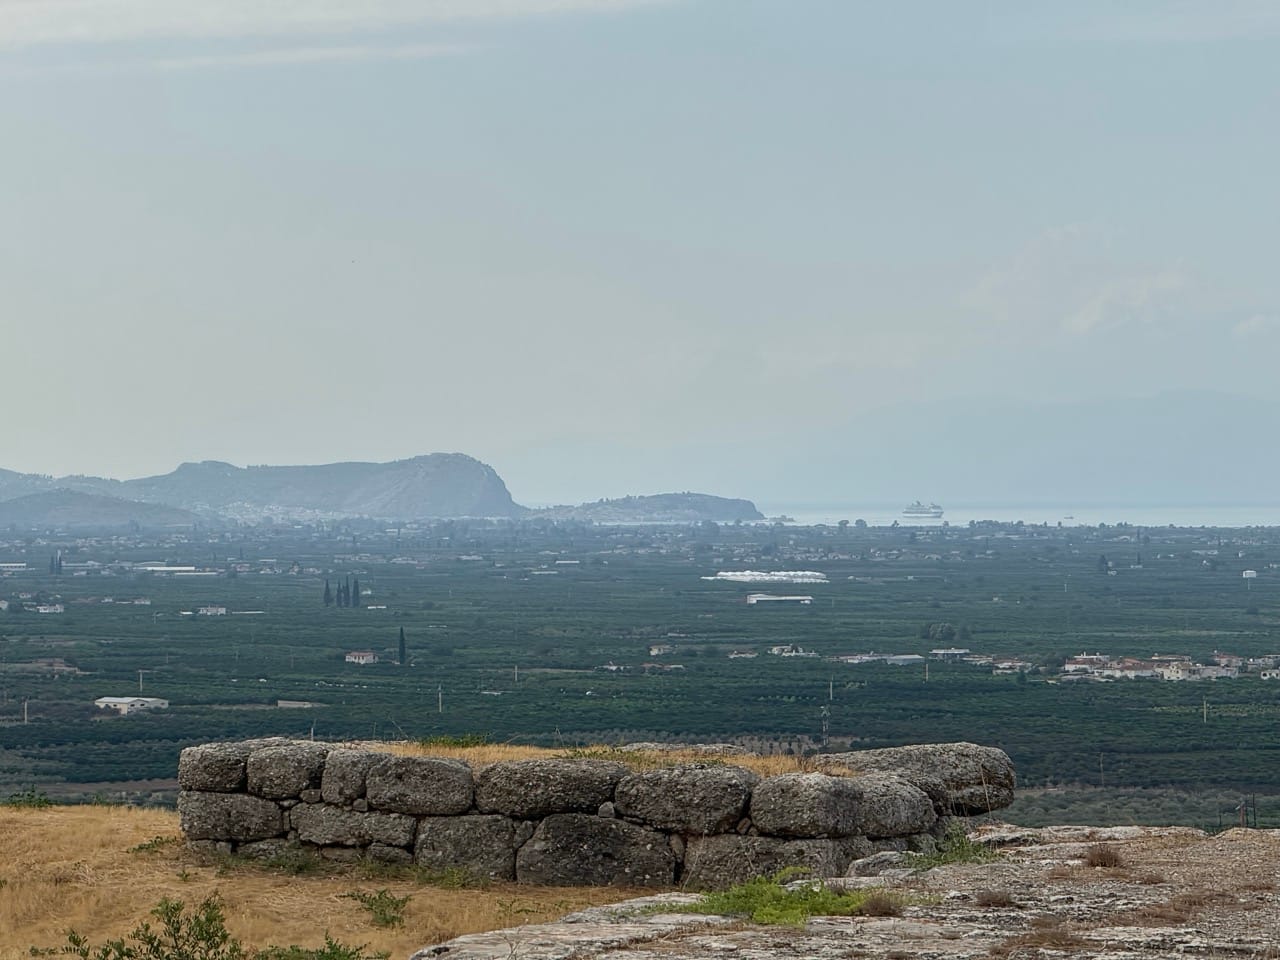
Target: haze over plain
{"type": "Point", "coordinates": [808, 251]}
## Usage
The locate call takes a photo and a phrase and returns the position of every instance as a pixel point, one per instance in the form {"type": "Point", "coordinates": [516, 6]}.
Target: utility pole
{"type": "Point", "coordinates": [440, 698]}
{"type": "Point", "coordinates": [24, 708]}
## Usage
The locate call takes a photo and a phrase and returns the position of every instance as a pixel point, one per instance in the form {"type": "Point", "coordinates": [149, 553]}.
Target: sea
{"type": "Point", "coordinates": [1053, 514]}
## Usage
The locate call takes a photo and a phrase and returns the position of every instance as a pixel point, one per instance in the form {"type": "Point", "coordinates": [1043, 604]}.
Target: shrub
{"type": "Point", "coordinates": [386, 909]}
{"type": "Point", "coordinates": [954, 847]}
{"type": "Point", "coordinates": [30, 798]}
{"type": "Point", "coordinates": [1101, 855]}
{"type": "Point", "coordinates": [199, 935]}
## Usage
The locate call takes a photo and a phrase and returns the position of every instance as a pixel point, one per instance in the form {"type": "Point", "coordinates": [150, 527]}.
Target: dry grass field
{"type": "Point", "coordinates": [100, 870]}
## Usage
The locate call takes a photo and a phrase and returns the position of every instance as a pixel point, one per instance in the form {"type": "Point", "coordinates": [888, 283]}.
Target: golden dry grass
{"type": "Point", "coordinates": [75, 867]}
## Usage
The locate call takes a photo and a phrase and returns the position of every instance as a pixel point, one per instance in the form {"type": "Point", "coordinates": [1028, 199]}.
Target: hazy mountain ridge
{"type": "Point", "coordinates": [431, 485]}
{"type": "Point", "coordinates": [71, 508]}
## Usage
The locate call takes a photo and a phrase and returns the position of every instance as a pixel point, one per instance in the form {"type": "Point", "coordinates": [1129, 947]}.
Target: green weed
{"type": "Point", "coordinates": [767, 900]}
{"type": "Point", "coordinates": [953, 847]}
{"type": "Point", "coordinates": [386, 909]}
{"type": "Point", "coordinates": [154, 845]}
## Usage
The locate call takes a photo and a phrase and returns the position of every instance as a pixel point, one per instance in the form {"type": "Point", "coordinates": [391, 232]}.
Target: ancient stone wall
{"type": "Point", "coordinates": [578, 821]}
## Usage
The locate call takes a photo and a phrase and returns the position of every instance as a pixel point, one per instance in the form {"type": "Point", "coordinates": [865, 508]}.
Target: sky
{"type": "Point", "coordinates": [760, 248]}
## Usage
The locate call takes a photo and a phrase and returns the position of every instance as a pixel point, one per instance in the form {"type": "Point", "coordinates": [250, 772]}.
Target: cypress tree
{"type": "Point", "coordinates": [328, 594]}
{"type": "Point", "coordinates": [355, 592]}
{"type": "Point", "coordinates": [402, 650]}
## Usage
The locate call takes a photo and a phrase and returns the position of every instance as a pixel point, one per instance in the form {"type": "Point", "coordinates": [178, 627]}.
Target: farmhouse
{"type": "Point", "coordinates": [127, 705]}
{"type": "Point", "coordinates": [362, 657]}
{"type": "Point", "coordinates": [754, 598]}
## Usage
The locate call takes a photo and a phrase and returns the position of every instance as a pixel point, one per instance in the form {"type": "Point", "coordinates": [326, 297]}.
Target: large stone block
{"type": "Point", "coordinates": [538, 788]}
{"type": "Point", "coordinates": [285, 770]}
{"type": "Point", "coordinates": [218, 767]}
{"type": "Point", "coordinates": [713, 863]}
{"type": "Point", "coordinates": [688, 799]}
{"type": "Point", "coordinates": [483, 846]}
{"type": "Point", "coordinates": [891, 807]}
{"type": "Point", "coordinates": [325, 826]}
{"type": "Point", "coordinates": [962, 779]}
{"type": "Point", "coordinates": [805, 805]}
{"type": "Point", "coordinates": [345, 772]}
{"type": "Point", "coordinates": [423, 786]}
{"type": "Point", "coordinates": [228, 816]}
{"type": "Point", "coordinates": [576, 849]}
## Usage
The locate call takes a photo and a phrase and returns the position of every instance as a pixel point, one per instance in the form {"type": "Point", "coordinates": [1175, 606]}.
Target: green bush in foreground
{"type": "Point", "coordinates": [200, 935]}
{"type": "Point", "coordinates": [767, 900]}
{"type": "Point", "coordinates": [954, 847]}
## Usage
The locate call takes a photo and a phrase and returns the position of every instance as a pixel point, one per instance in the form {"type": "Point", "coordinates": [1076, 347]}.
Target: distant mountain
{"type": "Point", "coordinates": [659, 508]}
{"type": "Point", "coordinates": [71, 510]}
{"type": "Point", "coordinates": [434, 485]}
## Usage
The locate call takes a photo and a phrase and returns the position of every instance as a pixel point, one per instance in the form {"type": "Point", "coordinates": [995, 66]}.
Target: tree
{"type": "Point", "coordinates": [355, 593]}
{"type": "Point", "coordinates": [328, 594]}
{"type": "Point", "coordinates": [402, 649]}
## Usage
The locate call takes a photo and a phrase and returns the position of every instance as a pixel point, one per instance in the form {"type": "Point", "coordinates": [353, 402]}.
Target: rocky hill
{"type": "Point", "coordinates": [660, 508]}
{"type": "Point", "coordinates": [71, 510]}
{"type": "Point", "coordinates": [433, 485]}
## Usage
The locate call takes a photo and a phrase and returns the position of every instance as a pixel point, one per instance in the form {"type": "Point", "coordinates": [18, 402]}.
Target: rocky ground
{"type": "Point", "coordinates": [1166, 892]}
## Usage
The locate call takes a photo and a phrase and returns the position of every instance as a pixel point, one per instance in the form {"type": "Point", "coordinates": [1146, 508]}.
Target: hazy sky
{"type": "Point", "coordinates": [619, 246]}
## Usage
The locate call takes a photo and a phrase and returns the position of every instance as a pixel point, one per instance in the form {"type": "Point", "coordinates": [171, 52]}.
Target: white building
{"type": "Point", "coordinates": [362, 657]}
{"type": "Point", "coordinates": [211, 612]}
{"type": "Point", "coordinates": [754, 598]}
{"type": "Point", "coordinates": [127, 705]}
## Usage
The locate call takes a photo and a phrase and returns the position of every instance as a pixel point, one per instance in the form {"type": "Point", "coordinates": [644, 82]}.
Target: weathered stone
{"type": "Point", "coordinates": [712, 863]}
{"type": "Point", "coordinates": [264, 849]}
{"type": "Point", "coordinates": [341, 854]}
{"type": "Point", "coordinates": [228, 816]}
{"type": "Point", "coordinates": [962, 779]}
{"type": "Point", "coordinates": [344, 775]}
{"type": "Point", "coordinates": [382, 853]}
{"type": "Point", "coordinates": [360, 805]}
{"type": "Point", "coordinates": [310, 796]}
{"type": "Point", "coordinates": [324, 825]}
{"type": "Point", "coordinates": [481, 845]}
{"type": "Point", "coordinates": [805, 805]}
{"type": "Point", "coordinates": [891, 807]}
{"type": "Point", "coordinates": [693, 799]}
{"type": "Point", "coordinates": [430, 786]}
{"type": "Point", "coordinates": [218, 767]}
{"type": "Point", "coordinates": [575, 849]}
{"type": "Point", "coordinates": [210, 847]}
{"type": "Point", "coordinates": [524, 830]}
{"type": "Point", "coordinates": [277, 772]}
{"type": "Point", "coordinates": [607, 810]}
{"type": "Point", "coordinates": [873, 865]}
{"type": "Point", "coordinates": [677, 846]}
{"type": "Point", "coordinates": [539, 788]}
